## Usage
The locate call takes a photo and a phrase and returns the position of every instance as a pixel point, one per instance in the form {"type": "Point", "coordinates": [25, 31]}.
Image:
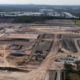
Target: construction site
{"type": "Point", "coordinates": [36, 51]}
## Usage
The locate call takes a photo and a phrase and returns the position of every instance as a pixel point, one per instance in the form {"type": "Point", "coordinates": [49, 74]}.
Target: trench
{"type": "Point", "coordinates": [52, 75]}
{"type": "Point", "coordinates": [10, 69]}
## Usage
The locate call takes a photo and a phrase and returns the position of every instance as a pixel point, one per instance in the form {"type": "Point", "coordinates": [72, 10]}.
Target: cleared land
{"type": "Point", "coordinates": [29, 51]}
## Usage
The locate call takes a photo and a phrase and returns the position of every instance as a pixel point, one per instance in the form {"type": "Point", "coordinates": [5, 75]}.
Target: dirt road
{"type": "Point", "coordinates": [40, 73]}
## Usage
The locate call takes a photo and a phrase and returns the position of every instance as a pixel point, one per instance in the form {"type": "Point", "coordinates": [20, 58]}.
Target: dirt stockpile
{"type": "Point", "coordinates": [47, 36]}
{"type": "Point", "coordinates": [78, 41]}
{"type": "Point", "coordinates": [69, 45]}
{"type": "Point", "coordinates": [44, 46]}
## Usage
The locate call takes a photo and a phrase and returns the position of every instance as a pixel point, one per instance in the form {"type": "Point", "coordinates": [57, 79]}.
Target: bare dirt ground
{"type": "Point", "coordinates": [25, 36]}
{"type": "Point", "coordinates": [37, 71]}
{"type": "Point", "coordinates": [40, 73]}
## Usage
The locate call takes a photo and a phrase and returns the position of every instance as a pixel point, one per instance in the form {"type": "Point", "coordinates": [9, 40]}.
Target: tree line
{"type": "Point", "coordinates": [31, 19]}
{"type": "Point", "coordinates": [70, 70]}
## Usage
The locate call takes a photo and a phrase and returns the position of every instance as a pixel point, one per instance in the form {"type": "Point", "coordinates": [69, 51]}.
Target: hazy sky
{"type": "Point", "coordinates": [49, 2]}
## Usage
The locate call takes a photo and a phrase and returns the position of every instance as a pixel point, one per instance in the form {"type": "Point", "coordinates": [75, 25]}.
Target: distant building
{"type": "Point", "coordinates": [56, 14]}
{"type": "Point", "coordinates": [21, 14]}
{"type": "Point", "coordinates": [31, 14]}
{"type": "Point", "coordinates": [68, 15]}
{"type": "Point", "coordinates": [49, 12]}
{"type": "Point", "coordinates": [45, 10]}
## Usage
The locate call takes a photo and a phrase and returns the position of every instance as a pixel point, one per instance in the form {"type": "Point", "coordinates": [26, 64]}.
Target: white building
{"type": "Point", "coordinates": [45, 10]}
{"type": "Point", "coordinates": [68, 15]}
{"type": "Point", "coordinates": [21, 13]}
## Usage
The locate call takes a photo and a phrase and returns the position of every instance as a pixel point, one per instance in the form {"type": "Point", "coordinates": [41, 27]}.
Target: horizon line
{"type": "Point", "coordinates": [44, 4]}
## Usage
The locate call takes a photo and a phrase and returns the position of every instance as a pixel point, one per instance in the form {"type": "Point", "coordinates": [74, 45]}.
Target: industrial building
{"type": "Point", "coordinates": [14, 14]}
{"type": "Point", "coordinates": [68, 15]}
{"type": "Point", "coordinates": [45, 10]}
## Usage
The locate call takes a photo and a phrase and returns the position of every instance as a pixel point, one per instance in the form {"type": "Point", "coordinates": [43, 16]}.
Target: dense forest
{"type": "Point", "coordinates": [31, 19]}
{"type": "Point", "coordinates": [36, 19]}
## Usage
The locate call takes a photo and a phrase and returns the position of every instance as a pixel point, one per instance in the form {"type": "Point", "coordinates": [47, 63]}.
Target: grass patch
{"type": "Point", "coordinates": [76, 21]}
{"type": "Point", "coordinates": [74, 76]}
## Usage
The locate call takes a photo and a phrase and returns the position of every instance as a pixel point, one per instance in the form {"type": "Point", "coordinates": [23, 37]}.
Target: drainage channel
{"type": "Point", "coordinates": [14, 69]}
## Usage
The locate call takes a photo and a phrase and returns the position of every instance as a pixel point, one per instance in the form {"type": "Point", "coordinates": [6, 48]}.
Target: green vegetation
{"type": "Point", "coordinates": [30, 19]}
{"type": "Point", "coordinates": [78, 64]}
{"type": "Point", "coordinates": [76, 22]}
{"type": "Point", "coordinates": [74, 76]}
{"type": "Point", "coordinates": [72, 72]}
{"type": "Point", "coordinates": [68, 68]}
